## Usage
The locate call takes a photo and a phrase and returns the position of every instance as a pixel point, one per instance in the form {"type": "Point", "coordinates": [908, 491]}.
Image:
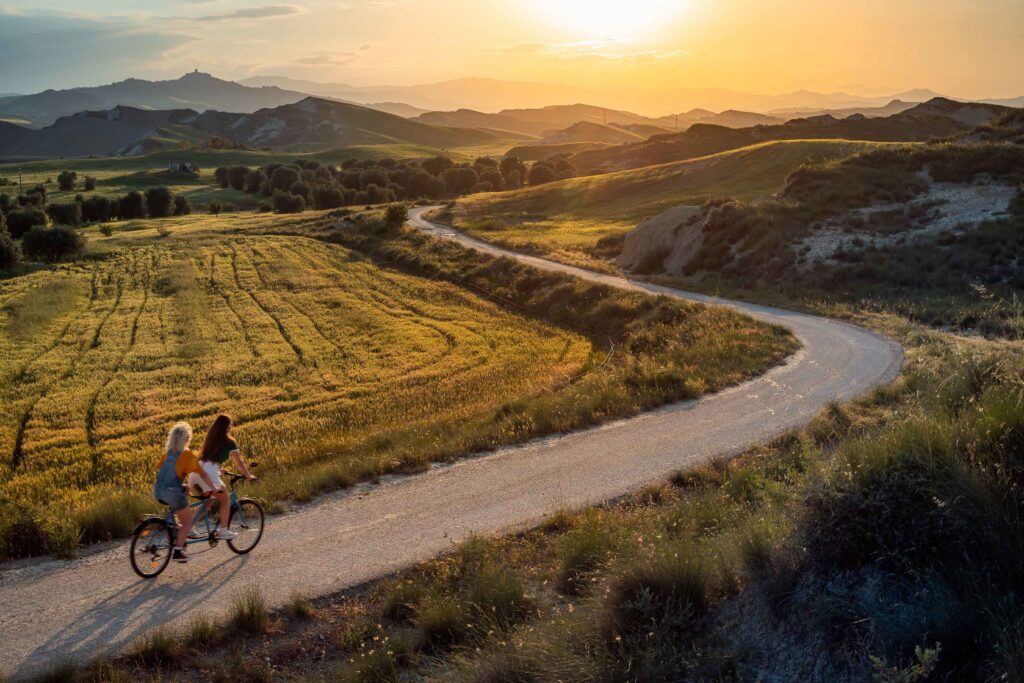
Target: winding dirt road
{"type": "Point", "coordinates": [54, 610]}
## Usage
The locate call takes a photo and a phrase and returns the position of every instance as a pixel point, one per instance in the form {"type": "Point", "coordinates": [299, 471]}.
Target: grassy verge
{"type": "Point", "coordinates": [343, 352]}
{"type": "Point", "coordinates": [882, 542]}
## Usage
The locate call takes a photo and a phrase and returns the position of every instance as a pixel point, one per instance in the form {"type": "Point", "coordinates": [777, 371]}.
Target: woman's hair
{"type": "Point", "coordinates": [178, 438]}
{"type": "Point", "coordinates": [216, 438]}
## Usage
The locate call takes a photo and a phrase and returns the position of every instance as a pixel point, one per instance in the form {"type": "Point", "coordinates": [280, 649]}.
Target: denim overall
{"type": "Point", "coordinates": [168, 488]}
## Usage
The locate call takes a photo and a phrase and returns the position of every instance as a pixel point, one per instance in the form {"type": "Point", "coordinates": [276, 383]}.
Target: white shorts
{"type": "Point", "coordinates": [196, 483]}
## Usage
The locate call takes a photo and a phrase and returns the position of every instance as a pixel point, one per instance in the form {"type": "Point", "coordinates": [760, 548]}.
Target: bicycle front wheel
{"type": "Point", "coordinates": [247, 523]}
{"type": "Point", "coordinates": [151, 548]}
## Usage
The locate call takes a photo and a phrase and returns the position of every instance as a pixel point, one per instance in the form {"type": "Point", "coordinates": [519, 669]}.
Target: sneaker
{"type": "Point", "coordinates": [197, 533]}
{"type": "Point", "coordinates": [180, 556]}
{"type": "Point", "coordinates": [225, 534]}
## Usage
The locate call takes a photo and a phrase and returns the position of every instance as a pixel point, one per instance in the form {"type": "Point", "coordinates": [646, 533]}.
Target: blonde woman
{"type": "Point", "coordinates": [178, 462]}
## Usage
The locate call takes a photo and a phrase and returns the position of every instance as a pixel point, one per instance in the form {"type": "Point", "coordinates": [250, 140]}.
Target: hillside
{"type": "Point", "coordinates": [316, 123]}
{"type": "Point", "coordinates": [309, 125]}
{"type": "Point", "coordinates": [198, 91]}
{"type": "Point", "coordinates": [117, 131]}
{"type": "Point", "coordinates": [588, 131]}
{"type": "Point", "coordinates": [569, 219]}
{"type": "Point", "coordinates": [934, 119]}
{"type": "Point", "coordinates": [902, 224]}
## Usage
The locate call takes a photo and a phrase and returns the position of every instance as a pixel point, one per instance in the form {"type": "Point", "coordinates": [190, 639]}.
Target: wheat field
{"type": "Point", "coordinates": [310, 347]}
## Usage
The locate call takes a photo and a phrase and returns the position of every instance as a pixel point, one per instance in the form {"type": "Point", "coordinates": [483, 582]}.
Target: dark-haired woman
{"type": "Point", "coordinates": [218, 448]}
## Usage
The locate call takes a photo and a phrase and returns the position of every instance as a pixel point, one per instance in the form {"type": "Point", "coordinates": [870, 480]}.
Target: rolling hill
{"type": "Point", "coordinates": [588, 131]}
{"type": "Point", "coordinates": [312, 124]}
{"type": "Point", "coordinates": [933, 119]}
{"type": "Point", "coordinates": [568, 219]}
{"type": "Point", "coordinates": [197, 91]}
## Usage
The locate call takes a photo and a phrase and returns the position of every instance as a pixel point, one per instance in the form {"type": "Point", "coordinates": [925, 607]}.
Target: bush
{"type": "Point", "coordinates": [133, 205]}
{"type": "Point", "coordinates": [395, 215]}
{"type": "Point", "coordinates": [182, 207]}
{"type": "Point", "coordinates": [106, 229]}
{"type": "Point", "coordinates": [90, 183]}
{"type": "Point", "coordinates": [286, 202]}
{"type": "Point", "coordinates": [160, 202]}
{"type": "Point", "coordinates": [65, 214]}
{"type": "Point", "coordinates": [284, 177]}
{"type": "Point", "coordinates": [237, 176]}
{"type": "Point", "coordinates": [97, 209]}
{"type": "Point", "coordinates": [22, 220]}
{"type": "Point", "coordinates": [220, 174]}
{"type": "Point", "coordinates": [540, 174]}
{"type": "Point", "coordinates": [326, 197]}
{"type": "Point", "coordinates": [441, 621]}
{"type": "Point", "coordinates": [215, 207]}
{"type": "Point", "coordinates": [249, 612]}
{"type": "Point", "coordinates": [66, 180]}
{"type": "Point", "coordinates": [10, 252]}
{"type": "Point", "coordinates": [52, 244]}
{"type": "Point", "coordinates": [254, 181]}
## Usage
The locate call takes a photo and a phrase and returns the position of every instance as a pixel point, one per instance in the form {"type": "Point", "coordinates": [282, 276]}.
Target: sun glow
{"type": "Point", "coordinates": [610, 18]}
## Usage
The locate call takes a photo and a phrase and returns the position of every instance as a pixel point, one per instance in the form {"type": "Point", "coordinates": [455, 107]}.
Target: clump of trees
{"type": "Point", "coordinates": [32, 226]}
{"type": "Point", "coordinates": [382, 181]}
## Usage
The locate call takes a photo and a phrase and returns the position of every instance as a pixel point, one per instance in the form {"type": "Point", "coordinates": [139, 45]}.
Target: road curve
{"type": "Point", "coordinates": [52, 610]}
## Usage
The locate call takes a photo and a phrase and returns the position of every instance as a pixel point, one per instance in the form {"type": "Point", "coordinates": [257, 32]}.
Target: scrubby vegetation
{"type": "Point", "coordinates": [357, 182]}
{"type": "Point", "coordinates": [966, 277]}
{"type": "Point", "coordinates": [880, 543]}
{"type": "Point", "coordinates": [308, 337]}
{"type": "Point", "coordinates": [582, 221]}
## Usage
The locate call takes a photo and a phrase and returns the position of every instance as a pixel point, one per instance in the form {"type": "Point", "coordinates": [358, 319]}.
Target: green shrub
{"type": "Point", "coordinates": [10, 251]}
{"type": "Point", "coordinates": [106, 229]}
{"type": "Point", "coordinates": [285, 202]}
{"type": "Point", "coordinates": [52, 244]}
{"type": "Point", "coordinates": [158, 647]}
{"type": "Point", "coordinates": [66, 180]}
{"type": "Point", "coordinates": [159, 202]}
{"type": "Point", "coordinates": [441, 620]}
{"type": "Point", "coordinates": [182, 207]}
{"type": "Point", "coordinates": [497, 596]}
{"type": "Point", "coordinates": [401, 600]}
{"type": "Point", "coordinates": [90, 183]}
{"type": "Point", "coordinates": [65, 214]}
{"type": "Point", "coordinates": [20, 221]}
{"type": "Point", "coordinates": [580, 552]}
{"type": "Point", "coordinates": [249, 612]}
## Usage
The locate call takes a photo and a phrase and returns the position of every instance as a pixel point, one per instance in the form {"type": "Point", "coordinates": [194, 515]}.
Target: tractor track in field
{"type": "Point", "coordinates": [280, 325]}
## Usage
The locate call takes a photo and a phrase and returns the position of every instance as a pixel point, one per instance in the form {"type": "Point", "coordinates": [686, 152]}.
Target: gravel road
{"type": "Point", "coordinates": [52, 610]}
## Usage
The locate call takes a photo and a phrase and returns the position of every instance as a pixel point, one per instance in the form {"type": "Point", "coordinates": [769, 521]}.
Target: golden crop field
{"type": "Point", "coordinates": [310, 347]}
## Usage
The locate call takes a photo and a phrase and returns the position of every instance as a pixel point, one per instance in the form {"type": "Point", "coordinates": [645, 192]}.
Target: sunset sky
{"type": "Point", "coordinates": [965, 48]}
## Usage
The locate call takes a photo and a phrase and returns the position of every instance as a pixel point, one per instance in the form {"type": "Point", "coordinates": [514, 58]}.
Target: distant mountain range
{"type": "Point", "coordinates": [150, 116]}
{"type": "Point", "coordinates": [197, 91]}
{"type": "Point", "coordinates": [309, 124]}
{"type": "Point", "coordinates": [493, 95]}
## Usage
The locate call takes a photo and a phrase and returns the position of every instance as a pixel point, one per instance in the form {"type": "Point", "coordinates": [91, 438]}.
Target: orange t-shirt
{"type": "Point", "coordinates": [187, 463]}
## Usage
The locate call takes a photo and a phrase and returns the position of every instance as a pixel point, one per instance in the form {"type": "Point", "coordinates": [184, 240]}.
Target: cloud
{"type": "Point", "coordinates": [261, 12]}
{"type": "Point", "coordinates": [325, 58]}
{"type": "Point", "coordinates": [52, 49]}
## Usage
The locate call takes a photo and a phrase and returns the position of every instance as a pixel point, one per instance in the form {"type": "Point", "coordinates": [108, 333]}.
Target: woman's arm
{"type": "Point", "coordinates": [236, 457]}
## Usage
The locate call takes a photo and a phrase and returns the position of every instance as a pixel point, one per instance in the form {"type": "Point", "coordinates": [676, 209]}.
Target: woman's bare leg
{"type": "Point", "coordinates": [225, 507]}
{"type": "Point", "coordinates": [184, 525]}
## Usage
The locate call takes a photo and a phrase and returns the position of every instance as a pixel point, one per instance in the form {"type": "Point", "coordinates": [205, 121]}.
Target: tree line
{"type": "Point", "coordinates": [42, 230]}
{"type": "Point", "coordinates": [302, 184]}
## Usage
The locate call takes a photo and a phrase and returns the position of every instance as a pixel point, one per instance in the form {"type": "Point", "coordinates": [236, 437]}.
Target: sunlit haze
{"type": "Point", "coordinates": [961, 48]}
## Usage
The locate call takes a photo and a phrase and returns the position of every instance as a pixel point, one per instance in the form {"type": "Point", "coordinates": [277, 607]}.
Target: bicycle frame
{"type": "Point", "coordinates": [201, 506]}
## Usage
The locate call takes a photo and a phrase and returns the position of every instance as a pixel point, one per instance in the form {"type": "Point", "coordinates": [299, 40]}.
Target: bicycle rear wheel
{"type": "Point", "coordinates": [151, 548]}
{"type": "Point", "coordinates": [247, 523]}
